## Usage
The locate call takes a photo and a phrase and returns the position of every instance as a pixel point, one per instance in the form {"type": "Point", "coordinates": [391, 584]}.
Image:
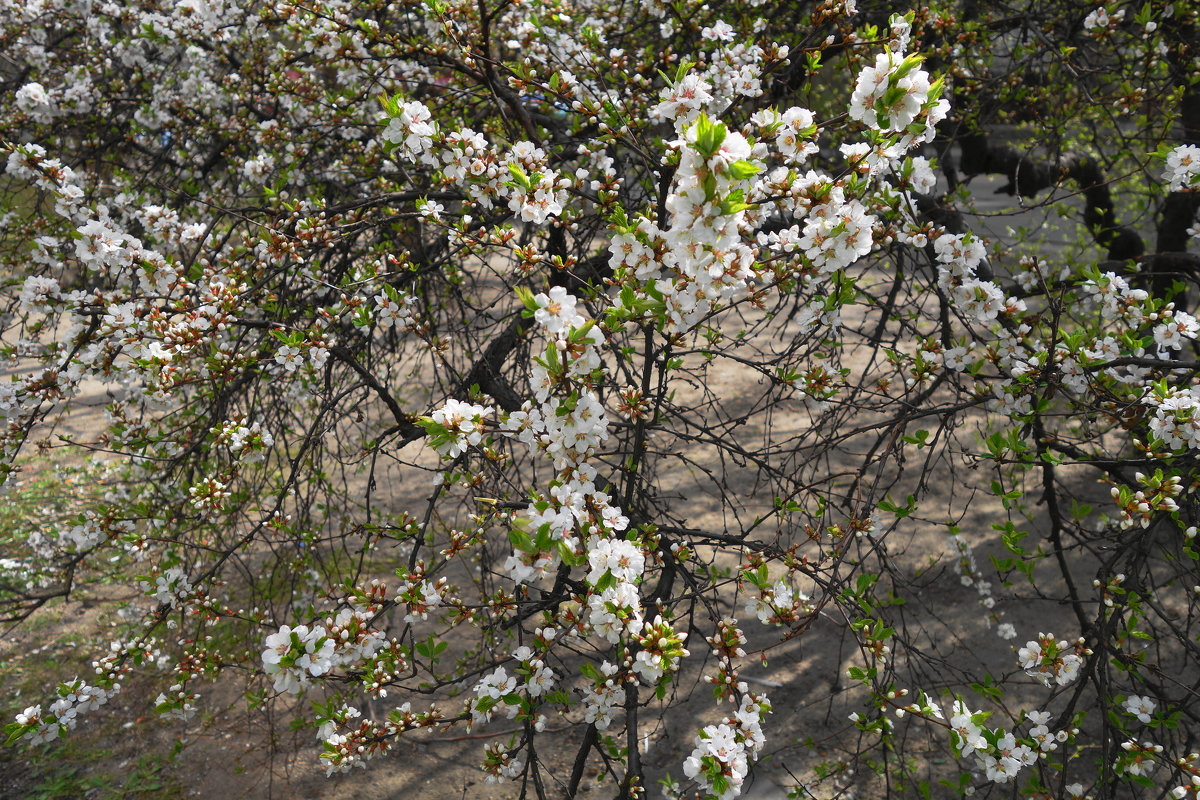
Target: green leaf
{"type": "Point", "coordinates": [742, 169]}
{"type": "Point", "coordinates": [607, 581]}
{"type": "Point", "coordinates": [906, 66]}
{"type": "Point", "coordinates": [709, 136]}
{"type": "Point", "coordinates": [734, 202]}
{"type": "Point", "coordinates": [519, 177]}
{"type": "Point", "coordinates": [525, 295]}
{"type": "Point", "coordinates": [521, 541]}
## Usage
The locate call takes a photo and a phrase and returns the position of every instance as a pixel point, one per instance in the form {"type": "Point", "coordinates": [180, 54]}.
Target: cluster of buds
{"type": "Point", "coordinates": [924, 707]}
{"type": "Point", "coordinates": [1189, 765]}
{"type": "Point", "coordinates": [461, 541]}
{"type": "Point", "coordinates": [386, 666]}
{"type": "Point", "coordinates": [878, 648]}
{"type": "Point", "coordinates": [1138, 507]}
{"type": "Point", "coordinates": [352, 629]}
{"type": "Point", "coordinates": [634, 405]}
{"type": "Point", "coordinates": [122, 657]}
{"type": "Point", "coordinates": [418, 596]}
{"type": "Point", "coordinates": [1138, 759]}
{"type": "Point", "coordinates": [500, 763]}
{"type": "Point", "coordinates": [176, 702]}
{"type": "Point", "coordinates": [209, 496]}
{"type": "Point", "coordinates": [1110, 589]}
{"type": "Point", "coordinates": [347, 743]}
{"type": "Point", "coordinates": [661, 650]}
{"type": "Point", "coordinates": [727, 644]}
{"type": "Point", "coordinates": [892, 696]}
{"type": "Point", "coordinates": [370, 599]}
{"type": "Point", "coordinates": [244, 441]}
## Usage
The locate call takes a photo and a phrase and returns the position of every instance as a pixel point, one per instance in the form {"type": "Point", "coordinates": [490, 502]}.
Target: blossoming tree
{"type": "Point", "coordinates": [689, 319]}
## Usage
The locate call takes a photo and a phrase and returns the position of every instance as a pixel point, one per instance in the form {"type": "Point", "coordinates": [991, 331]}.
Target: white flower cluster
{"type": "Point", "coordinates": [290, 357]}
{"type": "Point", "coordinates": [76, 94]}
{"type": "Point", "coordinates": [720, 761]}
{"type": "Point", "coordinates": [170, 587]}
{"type": "Point", "coordinates": [1102, 20]}
{"type": "Point", "coordinates": [915, 172]}
{"type": "Point", "coordinates": [88, 533]}
{"type": "Point", "coordinates": [894, 94]}
{"type": "Point", "coordinates": [1051, 661]}
{"type": "Point", "coordinates": [536, 192]}
{"type": "Point", "coordinates": [616, 612]}
{"type": "Point", "coordinates": [793, 132]}
{"type": "Point", "coordinates": [74, 698]}
{"type": "Point", "coordinates": [575, 504]}
{"type": "Point", "coordinates": [394, 308]}
{"type": "Point", "coordinates": [1182, 169]}
{"type": "Point", "coordinates": [704, 248]}
{"type": "Point", "coordinates": [1176, 327]}
{"type": "Point", "coordinates": [630, 250]}
{"type": "Point", "coordinates": [622, 559]}
{"type": "Point", "coordinates": [121, 261]}
{"type": "Point", "coordinates": [17, 573]}
{"type": "Point", "coordinates": [776, 603]}
{"type": "Point", "coordinates": [38, 292]}
{"type": "Point", "coordinates": [1115, 298]}
{"type": "Point", "coordinates": [958, 256]}
{"type": "Point", "coordinates": [539, 679]}
{"type": "Point", "coordinates": [837, 232]}
{"type": "Point", "coordinates": [556, 311]}
{"type": "Point", "coordinates": [339, 718]}
{"type": "Point", "coordinates": [567, 423]}
{"type": "Point", "coordinates": [249, 443]}
{"type": "Point", "coordinates": [418, 596]}
{"type": "Point", "coordinates": [1138, 760]}
{"type": "Point", "coordinates": [463, 423]}
{"type": "Point", "coordinates": [29, 162]}
{"type": "Point", "coordinates": [684, 101]}
{"type": "Point", "coordinates": [258, 169]}
{"type": "Point", "coordinates": [340, 740]}
{"type": "Point", "coordinates": [515, 693]}
{"type": "Point", "coordinates": [877, 159]}
{"type": "Point", "coordinates": [576, 358]}
{"type": "Point", "coordinates": [295, 655]}
{"type": "Point", "coordinates": [101, 244]}
{"type": "Point", "coordinates": [176, 702]}
{"type": "Point", "coordinates": [999, 753]}
{"type": "Point", "coordinates": [490, 692]}
{"type": "Point", "coordinates": [500, 764]}
{"type": "Point", "coordinates": [533, 191]}
{"type": "Point", "coordinates": [1141, 707]}
{"type": "Point", "coordinates": [732, 71]}
{"type": "Point", "coordinates": [1176, 418]}
{"type": "Point", "coordinates": [413, 129]}
{"type": "Point", "coordinates": [34, 100]}
{"type": "Point", "coordinates": [603, 699]}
